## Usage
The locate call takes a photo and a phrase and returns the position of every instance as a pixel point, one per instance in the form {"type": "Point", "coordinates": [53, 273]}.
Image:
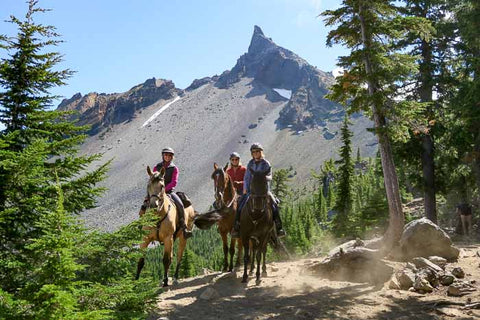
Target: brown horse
{"type": "Point", "coordinates": [166, 229]}
{"type": "Point", "coordinates": [256, 223]}
{"type": "Point", "coordinates": [226, 206]}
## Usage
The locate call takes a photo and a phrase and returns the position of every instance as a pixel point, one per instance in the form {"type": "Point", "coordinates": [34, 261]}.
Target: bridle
{"type": "Point", "coordinates": [220, 193]}
{"type": "Point", "coordinates": [258, 197]}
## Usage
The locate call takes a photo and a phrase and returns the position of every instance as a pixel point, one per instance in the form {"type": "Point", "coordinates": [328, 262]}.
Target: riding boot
{"type": "Point", "coordinates": [181, 215]}
{"type": "Point", "coordinates": [236, 226]}
{"type": "Point", "coordinates": [181, 222]}
{"type": "Point", "coordinates": [278, 222]}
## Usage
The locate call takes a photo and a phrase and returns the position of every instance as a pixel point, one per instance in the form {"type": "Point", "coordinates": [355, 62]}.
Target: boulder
{"type": "Point", "coordinates": [424, 263]}
{"type": "Point", "coordinates": [429, 275]}
{"type": "Point", "coordinates": [458, 272]}
{"type": "Point", "coordinates": [406, 278]}
{"type": "Point", "coordinates": [447, 279]}
{"type": "Point", "coordinates": [422, 285]}
{"type": "Point", "coordinates": [394, 283]}
{"type": "Point", "coordinates": [460, 288]}
{"type": "Point", "coordinates": [423, 238]}
{"type": "Point", "coordinates": [439, 261]}
{"type": "Point", "coordinates": [411, 266]}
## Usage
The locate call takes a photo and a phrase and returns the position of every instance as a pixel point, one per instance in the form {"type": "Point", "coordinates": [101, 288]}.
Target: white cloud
{"type": "Point", "coordinates": [337, 71]}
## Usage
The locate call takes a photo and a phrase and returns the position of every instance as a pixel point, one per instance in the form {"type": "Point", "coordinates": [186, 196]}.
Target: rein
{"type": "Point", "coordinates": [229, 205]}
{"type": "Point", "coordinates": [265, 203]}
{"type": "Point", "coordinates": [159, 223]}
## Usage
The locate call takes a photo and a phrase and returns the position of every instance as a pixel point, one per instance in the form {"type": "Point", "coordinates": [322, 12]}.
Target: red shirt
{"type": "Point", "coordinates": [237, 175]}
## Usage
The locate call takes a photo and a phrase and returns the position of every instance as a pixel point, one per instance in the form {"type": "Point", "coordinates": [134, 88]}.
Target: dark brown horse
{"type": "Point", "coordinates": [166, 229]}
{"type": "Point", "coordinates": [226, 206]}
{"type": "Point", "coordinates": [256, 223]}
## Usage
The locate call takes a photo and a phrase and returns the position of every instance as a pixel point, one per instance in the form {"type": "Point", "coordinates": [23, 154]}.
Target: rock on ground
{"type": "Point", "coordinates": [423, 238]}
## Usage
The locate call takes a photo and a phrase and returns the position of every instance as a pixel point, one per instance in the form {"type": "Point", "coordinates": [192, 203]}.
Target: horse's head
{"type": "Point", "coordinates": [259, 189]}
{"type": "Point", "coordinates": [258, 183]}
{"type": "Point", "coordinates": [155, 187]}
{"type": "Point", "coordinates": [220, 183]}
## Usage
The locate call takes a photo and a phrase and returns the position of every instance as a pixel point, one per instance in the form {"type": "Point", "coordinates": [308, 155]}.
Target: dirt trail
{"type": "Point", "coordinates": [289, 293]}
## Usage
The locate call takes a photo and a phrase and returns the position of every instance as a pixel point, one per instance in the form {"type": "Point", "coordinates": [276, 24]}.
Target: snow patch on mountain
{"type": "Point", "coordinates": [156, 114]}
{"type": "Point", "coordinates": [284, 92]}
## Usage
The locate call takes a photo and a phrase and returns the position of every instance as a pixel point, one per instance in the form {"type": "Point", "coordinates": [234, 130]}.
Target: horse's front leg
{"type": "Point", "coordinates": [259, 260]}
{"type": "Point", "coordinates": [253, 249]}
{"type": "Point", "coordinates": [181, 248]}
{"type": "Point", "coordinates": [167, 258]}
{"type": "Point", "coordinates": [141, 261]}
{"type": "Point", "coordinates": [264, 265]}
{"type": "Point", "coordinates": [225, 251]}
{"type": "Point", "coordinates": [246, 250]}
{"type": "Point", "coordinates": [240, 253]}
{"type": "Point", "coordinates": [232, 254]}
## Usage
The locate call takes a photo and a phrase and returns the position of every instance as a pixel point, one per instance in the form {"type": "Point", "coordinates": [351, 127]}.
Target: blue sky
{"type": "Point", "coordinates": [114, 45]}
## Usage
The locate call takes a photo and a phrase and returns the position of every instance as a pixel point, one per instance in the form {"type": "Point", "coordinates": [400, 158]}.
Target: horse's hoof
{"type": "Point", "coordinates": [251, 273]}
{"type": "Point", "coordinates": [165, 285]}
{"type": "Point", "coordinates": [230, 270]}
{"type": "Point", "coordinates": [258, 281]}
{"type": "Point", "coordinates": [175, 282]}
{"type": "Point", "coordinates": [264, 274]}
{"type": "Point", "coordinates": [244, 279]}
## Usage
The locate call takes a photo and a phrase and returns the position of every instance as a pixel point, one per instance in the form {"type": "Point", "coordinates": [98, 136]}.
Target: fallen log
{"type": "Point", "coordinates": [355, 264]}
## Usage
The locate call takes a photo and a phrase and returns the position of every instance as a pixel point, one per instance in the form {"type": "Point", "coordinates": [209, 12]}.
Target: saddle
{"type": "Point", "coordinates": [185, 200]}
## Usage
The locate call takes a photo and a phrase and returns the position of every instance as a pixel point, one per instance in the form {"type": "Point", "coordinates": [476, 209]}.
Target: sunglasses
{"type": "Point", "coordinates": [256, 151]}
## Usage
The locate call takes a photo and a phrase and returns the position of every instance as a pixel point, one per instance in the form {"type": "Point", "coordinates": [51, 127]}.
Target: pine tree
{"type": "Point", "coordinates": [431, 86]}
{"type": "Point", "coordinates": [37, 145]}
{"type": "Point", "coordinates": [280, 186]}
{"type": "Point", "coordinates": [188, 268]}
{"type": "Point", "coordinates": [373, 72]}
{"type": "Point", "coordinates": [465, 102]}
{"type": "Point", "coordinates": [344, 199]}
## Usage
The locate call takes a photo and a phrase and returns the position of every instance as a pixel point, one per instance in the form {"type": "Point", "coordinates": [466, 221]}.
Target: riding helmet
{"type": "Point", "coordinates": [256, 146]}
{"type": "Point", "coordinates": [234, 155]}
{"type": "Point", "coordinates": [168, 150]}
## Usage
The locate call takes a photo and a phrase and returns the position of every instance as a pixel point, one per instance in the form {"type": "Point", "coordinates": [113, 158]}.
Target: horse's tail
{"type": "Point", "coordinates": [205, 220]}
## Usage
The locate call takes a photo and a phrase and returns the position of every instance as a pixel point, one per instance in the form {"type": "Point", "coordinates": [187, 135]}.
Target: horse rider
{"type": "Point", "coordinates": [236, 171]}
{"type": "Point", "coordinates": [257, 163]}
{"type": "Point", "coordinates": [170, 180]}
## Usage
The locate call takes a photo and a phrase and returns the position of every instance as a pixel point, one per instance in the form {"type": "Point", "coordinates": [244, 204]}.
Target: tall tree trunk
{"type": "Point", "coordinates": [397, 219]}
{"type": "Point", "coordinates": [428, 169]}
{"type": "Point", "coordinates": [428, 164]}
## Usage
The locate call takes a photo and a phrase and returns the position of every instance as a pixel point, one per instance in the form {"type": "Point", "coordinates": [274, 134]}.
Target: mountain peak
{"type": "Point", "coordinates": [257, 30]}
{"type": "Point", "coordinates": [259, 42]}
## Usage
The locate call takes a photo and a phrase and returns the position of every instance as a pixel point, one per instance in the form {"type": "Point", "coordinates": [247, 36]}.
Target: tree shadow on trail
{"type": "Point", "coordinates": [235, 301]}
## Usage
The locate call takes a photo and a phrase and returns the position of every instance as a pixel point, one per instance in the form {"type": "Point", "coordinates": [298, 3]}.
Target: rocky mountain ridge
{"type": "Point", "coordinates": [101, 111]}
{"type": "Point", "coordinates": [265, 62]}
